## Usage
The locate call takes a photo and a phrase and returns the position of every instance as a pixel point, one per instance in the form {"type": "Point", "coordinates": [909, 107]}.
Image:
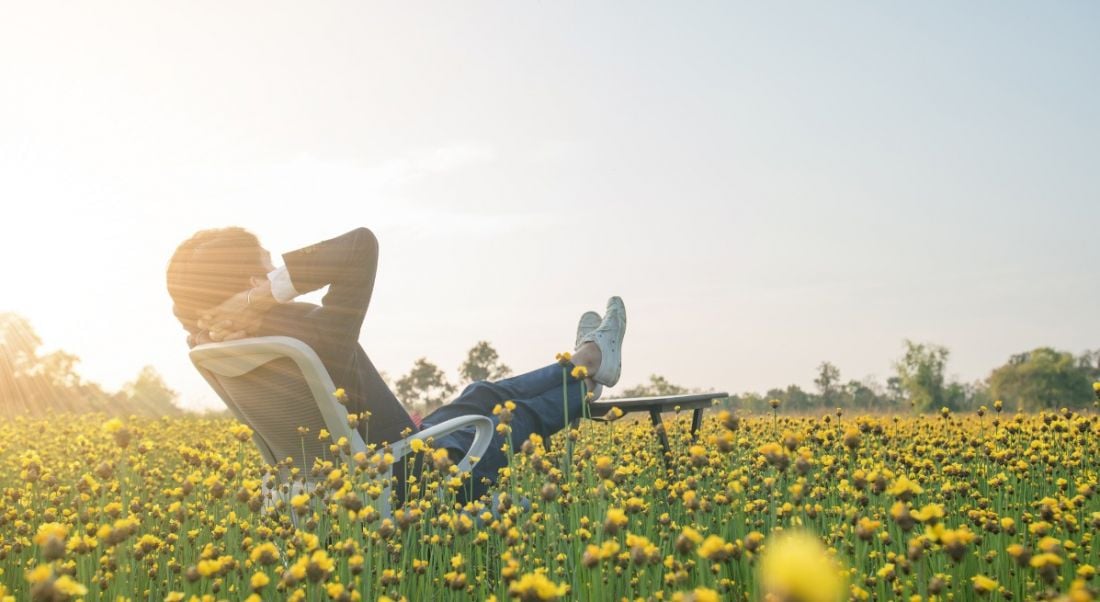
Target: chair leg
{"type": "Point", "coordinates": [696, 422]}
{"type": "Point", "coordinates": [659, 426]}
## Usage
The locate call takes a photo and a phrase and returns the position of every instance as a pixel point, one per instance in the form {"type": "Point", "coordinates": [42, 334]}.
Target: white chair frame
{"type": "Point", "coordinates": [236, 358]}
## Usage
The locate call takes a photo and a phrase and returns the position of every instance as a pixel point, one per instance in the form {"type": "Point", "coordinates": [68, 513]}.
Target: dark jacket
{"type": "Point", "coordinates": [347, 265]}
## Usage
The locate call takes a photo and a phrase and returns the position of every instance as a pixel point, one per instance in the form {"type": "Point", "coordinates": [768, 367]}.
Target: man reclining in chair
{"type": "Point", "coordinates": [225, 287]}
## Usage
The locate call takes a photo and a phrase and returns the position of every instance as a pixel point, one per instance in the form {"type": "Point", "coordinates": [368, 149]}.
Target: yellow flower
{"type": "Point", "coordinates": [536, 587]}
{"type": "Point", "coordinates": [774, 403]}
{"type": "Point", "coordinates": [259, 581]}
{"type": "Point", "coordinates": [1041, 561]}
{"type": "Point", "coordinates": [604, 467]}
{"type": "Point", "coordinates": [115, 428]}
{"type": "Point", "coordinates": [563, 358]}
{"type": "Point", "coordinates": [417, 445]}
{"type": "Point", "coordinates": [615, 520]}
{"type": "Point", "coordinates": [796, 566]}
{"type": "Point", "coordinates": [319, 566]}
{"type": "Point", "coordinates": [775, 454]}
{"type": "Point", "coordinates": [930, 513]}
{"type": "Point", "coordinates": [865, 528]}
{"type": "Point", "coordinates": [51, 538]}
{"type": "Point", "coordinates": [266, 553]}
{"type": "Point", "coordinates": [579, 372]}
{"type": "Point", "coordinates": [39, 574]}
{"type": "Point", "coordinates": [704, 594]}
{"type": "Point", "coordinates": [904, 489]}
{"type": "Point", "coordinates": [208, 568]}
{"type": "Point", "coordinates": [729, 420]}
{"type": "Point", "coordinates": [240, 432]}
{"type": "Point", "coordinates": [70, 588]}
{"type": "Point", "coordinates": [295, 573]}
{"type": "Point", "coordinates": [341, 395]}
{"type": "Point", "coordinates": [983, 585]}
{"type": "Point", "coordinates": [715, 549]}
{"type": "Point", "coordinates": [691, 535]}
{"type": "Point", "coordinates": [1048, 566]}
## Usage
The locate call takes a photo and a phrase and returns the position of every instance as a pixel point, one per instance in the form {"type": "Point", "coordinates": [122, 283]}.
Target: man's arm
{"type": "Point", "coordinates": [346, 264]}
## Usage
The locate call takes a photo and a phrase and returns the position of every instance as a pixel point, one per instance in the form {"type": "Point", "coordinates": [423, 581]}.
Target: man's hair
{"type": "Point", "coordinates": [210, 267]}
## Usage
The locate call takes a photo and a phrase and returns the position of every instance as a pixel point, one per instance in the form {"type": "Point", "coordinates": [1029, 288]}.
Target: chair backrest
{"type": "Point", "coordinates": [277, 385]}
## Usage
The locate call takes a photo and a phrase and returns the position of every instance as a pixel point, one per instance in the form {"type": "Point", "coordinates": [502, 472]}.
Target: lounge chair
{"type": "Point", "coordinates": [277, 385]}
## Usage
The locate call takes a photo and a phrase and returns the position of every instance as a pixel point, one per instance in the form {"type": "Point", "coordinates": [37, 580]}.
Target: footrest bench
{"type": "Point", "coordinates": [654, 406]}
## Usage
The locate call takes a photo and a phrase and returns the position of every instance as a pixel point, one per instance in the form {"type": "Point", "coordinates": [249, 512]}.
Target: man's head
{"type": "Point", "coordinates": [212, 266]}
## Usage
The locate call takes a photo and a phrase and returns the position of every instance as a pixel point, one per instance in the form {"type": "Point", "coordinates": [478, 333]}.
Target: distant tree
{"type": "Point", "coordinates": [975, 395]}
{"type": "Point", "coordinates": [657, 386]}
{"type": "Point", "coordinates": [956, 396]}
{"type": "Point", "coordinates": [828, 377]}
{"type": "Point", "coordinates": [1089, 362]}
{"type": "Point", "coordinates": [425, 387]}
{"type": "Point", "coordinates": [859, 396]}
{"type": "Point", "coordinates": [18, 341]}
{"type": "Point", "coordinates": [1042, 379]}
{"type": "Point", "coordinates": [797, 400]}
{"type": "Point", "coordinates": [483, 363]}
{"type": "Point", "coordinates": [753, 402]}
{"type": "Point", "coordinates": [781, 395]}
{"type": "Point", "coordinates": [18, 356]}
{"type": "Point", "coordinates": [921, 375]}
{"type": "Point", "coordinates": [894, 390]}
{"type": "Point", "coordinates": [39, 385]}
{"type": "Point", "coordinates": [147, 394]}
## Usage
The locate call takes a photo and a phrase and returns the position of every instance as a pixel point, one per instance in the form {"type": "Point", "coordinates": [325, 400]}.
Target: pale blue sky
{"type": "Point", "coordinates": [767, 186]}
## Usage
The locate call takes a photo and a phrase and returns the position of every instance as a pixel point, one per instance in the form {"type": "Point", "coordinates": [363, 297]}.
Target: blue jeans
{"type": "Point", "coordinates": [543, 406]}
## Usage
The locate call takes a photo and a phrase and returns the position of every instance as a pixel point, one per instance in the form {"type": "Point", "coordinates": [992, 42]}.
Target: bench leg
{"type": "Point", "coordinates": [696, 422]}
{"type": "Point", "coordinates": [655, 418]}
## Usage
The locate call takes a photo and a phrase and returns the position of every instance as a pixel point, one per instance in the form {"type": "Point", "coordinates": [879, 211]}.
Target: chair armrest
{"type": "Point", "coordinates": [483, 435]}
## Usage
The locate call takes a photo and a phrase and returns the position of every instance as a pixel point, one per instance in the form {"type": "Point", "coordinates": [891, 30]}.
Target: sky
{"type": "Point", "coordinates": [766, 185]}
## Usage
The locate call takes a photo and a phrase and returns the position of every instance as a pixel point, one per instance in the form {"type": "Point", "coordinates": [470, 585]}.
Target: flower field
{"type": "Point", "coordinates": [976, 507]}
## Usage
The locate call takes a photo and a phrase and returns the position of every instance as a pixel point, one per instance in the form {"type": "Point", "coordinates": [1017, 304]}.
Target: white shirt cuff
{"type": "Point", "coordinates": [282, 289]}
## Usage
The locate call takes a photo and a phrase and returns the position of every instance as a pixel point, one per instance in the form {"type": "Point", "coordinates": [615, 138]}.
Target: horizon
{"type": "Point", "coordinates": [767, 189]}
{"type": "Point", "coordinates": [872, 380]}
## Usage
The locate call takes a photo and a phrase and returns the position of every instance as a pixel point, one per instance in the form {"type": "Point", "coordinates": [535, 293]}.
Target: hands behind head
{"type": "Point", "coordinates": [235, 318]}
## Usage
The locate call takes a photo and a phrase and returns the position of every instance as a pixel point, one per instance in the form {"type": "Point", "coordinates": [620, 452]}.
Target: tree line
{"type": "Point", "coordinates": [1041, 379]}
{"type": "Point", "coordinates": [42, 384]}
{"type": "Point", "coordinates": [39, 384]}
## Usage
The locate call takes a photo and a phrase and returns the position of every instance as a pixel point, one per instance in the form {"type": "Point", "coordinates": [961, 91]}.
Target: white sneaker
{"type": "Point", "coordinates": [608, 336]}
{"type": "Point", "coordinates": [589, 321]}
